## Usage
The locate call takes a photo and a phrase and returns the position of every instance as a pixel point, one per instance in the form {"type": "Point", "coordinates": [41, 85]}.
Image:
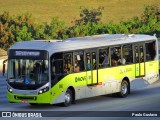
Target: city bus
{"type": "Point", "coordinates": [63, 71]}
{"type": "Point", "coordinates": [159, 53]}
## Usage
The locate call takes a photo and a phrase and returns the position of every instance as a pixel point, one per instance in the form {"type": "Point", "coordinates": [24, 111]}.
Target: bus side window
{"type": "Point", "coordinates": [148, 56]}
{"type": "Point", "coordinates": [127, 54]}
{"type": "Point", "coordinates": [56, 63]}
{"type": "Point", "coordinates": [116, 56]}
{"type": "Point", "coordinates": [56, 66]}
{"type": "Point", "coordinates": [78, 61]}
{"type": "Point", "coordinates": [141, 54]}
{"type": "Point", "coordinates": [93, 60]}
{"type": "Point", "coordinates": [88, 61]}
{"type": "Point", "coordinates": [103, 58]}
{"type": "Point", "coordinates": [68, 64]}
{"type": "Point", "coordinates": [150, 51]}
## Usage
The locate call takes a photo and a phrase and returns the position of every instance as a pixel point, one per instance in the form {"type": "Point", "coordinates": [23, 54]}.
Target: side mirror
{"type": "Point", "coordinates": [4, 66]}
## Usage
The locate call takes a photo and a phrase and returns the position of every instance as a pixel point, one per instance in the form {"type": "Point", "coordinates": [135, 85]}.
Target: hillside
{"type": "Point", "coordinates": [68, 10]}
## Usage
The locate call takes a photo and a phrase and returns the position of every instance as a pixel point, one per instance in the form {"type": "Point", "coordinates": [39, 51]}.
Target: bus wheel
{"type": "Point", "coordinates": [124, 89]}
{"type": "Point", "coordinates": [68, 98]}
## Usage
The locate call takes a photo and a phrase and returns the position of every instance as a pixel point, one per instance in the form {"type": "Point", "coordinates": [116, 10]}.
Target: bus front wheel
{"type": "Point", "coordinates": [68, 98]}
{"type": "Point", "coordinates": [124, 89]}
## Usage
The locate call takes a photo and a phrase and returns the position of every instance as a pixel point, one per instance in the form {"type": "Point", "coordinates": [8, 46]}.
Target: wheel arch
{"type": "Point", "coordinates": [71, 88]}
{"type": "Point", "coordinates": [127, 79]}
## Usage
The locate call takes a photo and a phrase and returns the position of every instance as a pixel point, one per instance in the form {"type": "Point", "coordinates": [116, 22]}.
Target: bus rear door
{"type": "Point", "coordinates": [139, 60]}
{"type": "Point", "coordinates": [91, 70]}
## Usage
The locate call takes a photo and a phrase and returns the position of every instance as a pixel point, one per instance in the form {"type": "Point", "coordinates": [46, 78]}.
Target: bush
{"type": "Point", "coordinates": [23, 27]}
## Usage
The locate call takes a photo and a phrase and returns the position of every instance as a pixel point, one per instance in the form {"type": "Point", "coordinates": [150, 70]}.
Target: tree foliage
{"type": "Point", "coordinates": [89, 16]}
{"type": "Point", "coordinates": [23, 27]}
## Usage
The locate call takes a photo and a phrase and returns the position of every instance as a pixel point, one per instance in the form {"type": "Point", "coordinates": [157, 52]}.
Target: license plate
{"type": "Point", "coordinates": [24, 101]}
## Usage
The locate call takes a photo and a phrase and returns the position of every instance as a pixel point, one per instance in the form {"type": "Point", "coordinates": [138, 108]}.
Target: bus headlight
{"type": "Point", "coordinates": [43, 90]}
{"type": "Point", "coordinates": [9, 89]}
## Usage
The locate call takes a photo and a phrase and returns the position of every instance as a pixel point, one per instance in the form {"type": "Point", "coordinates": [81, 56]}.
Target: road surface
{"type": "Point", "coordinates": [144, 99]}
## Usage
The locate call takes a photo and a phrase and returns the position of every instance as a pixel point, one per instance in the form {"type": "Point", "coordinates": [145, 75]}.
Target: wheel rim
{"type": "Point", "coordinates": [124, 88]}
{"type": "Point", "coordinates": [67, 97]}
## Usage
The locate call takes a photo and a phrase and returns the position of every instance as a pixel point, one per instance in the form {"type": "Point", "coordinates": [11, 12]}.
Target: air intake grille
{"type": "Point", "coordinates": [25, 97]}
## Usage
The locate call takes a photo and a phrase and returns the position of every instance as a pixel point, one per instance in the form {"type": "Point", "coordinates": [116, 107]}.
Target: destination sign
{"type": "Point", "coordinates": [27, 53]}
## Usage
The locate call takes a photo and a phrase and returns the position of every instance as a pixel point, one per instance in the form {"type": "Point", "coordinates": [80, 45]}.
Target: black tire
{"type": "Point", "coordinates": [124, 89]}
{"type": "Point", "coordinates": [68, 98]}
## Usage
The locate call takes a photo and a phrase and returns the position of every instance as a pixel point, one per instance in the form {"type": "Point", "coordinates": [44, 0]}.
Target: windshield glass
{"type": "Point", "coordinates": [25, 72]}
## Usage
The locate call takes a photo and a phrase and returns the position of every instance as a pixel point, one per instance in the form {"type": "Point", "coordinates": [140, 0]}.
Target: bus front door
{"type": "Point", "coordinates": [139, 60]}
{"type": "Point", "coordinates": [91, 73]}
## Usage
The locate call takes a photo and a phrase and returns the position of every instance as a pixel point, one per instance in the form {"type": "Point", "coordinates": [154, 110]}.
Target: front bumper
{"type": "Point", "coordinates": [20, 98]}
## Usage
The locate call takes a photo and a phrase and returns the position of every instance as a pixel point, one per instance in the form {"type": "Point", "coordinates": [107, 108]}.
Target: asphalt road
{"type": "Point", "coordinates": [141, 100]}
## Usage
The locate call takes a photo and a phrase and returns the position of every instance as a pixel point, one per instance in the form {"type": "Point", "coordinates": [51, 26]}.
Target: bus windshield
{"type": "Point", "coordinates": [27, 72]}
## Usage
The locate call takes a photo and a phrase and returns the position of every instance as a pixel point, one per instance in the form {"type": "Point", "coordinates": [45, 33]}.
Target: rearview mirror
{"type": "Point", "coordinates": [4, 66]}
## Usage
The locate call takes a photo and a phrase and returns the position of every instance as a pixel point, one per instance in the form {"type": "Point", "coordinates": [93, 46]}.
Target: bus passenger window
{"type": "Point", "coordinates": [78, 61]}
{"type": "Point", "coordinates": [127, 54]}
{"type": "Point", "coordinates": [150, 51]}
{"type": "Point", "coordinates": [88, 62]}
{"type": "Point", "coordinates": [136, 54]}
{"type": "Point", "coordinates": [66, 68]}
{"type": "Point", "coordinates": [103, 58]}
{"type": "Point", "coordinates": [115, 56]}
{"type": "Point", "coordinates": [67, 57]}
{"type": "Point", "coordinates": [141, 54]}
{"type": "Point", "coordinates": [93, 60]}
{"type": "Point", "coordinates": [148, 55]}
{"type": "Point", "coordinates": [153, 49]}
{"type": "Point", "coordinates": [56, 64]}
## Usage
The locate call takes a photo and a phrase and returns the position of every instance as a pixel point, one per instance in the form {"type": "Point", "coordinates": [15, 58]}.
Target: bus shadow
{"type": "Point", "coordinates": [138, 84]}
{"type": "Point", "coordinates": [40, 106]}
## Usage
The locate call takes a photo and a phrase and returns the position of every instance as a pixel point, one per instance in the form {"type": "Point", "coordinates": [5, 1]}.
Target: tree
{"type": "Point", "coordinates": [56, 29]}
{"type": "Point", "coordinates": [87, 24]}
{"type": "Point", "coordinates": [90, 16]}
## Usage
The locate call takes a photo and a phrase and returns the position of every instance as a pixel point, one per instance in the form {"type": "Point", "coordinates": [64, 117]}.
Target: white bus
{"type": "Point", "coordinates": [65, 71]}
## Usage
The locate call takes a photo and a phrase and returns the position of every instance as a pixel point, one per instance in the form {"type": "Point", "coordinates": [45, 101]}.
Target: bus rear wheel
{"type": "Point", "coordinates": [68, 98]}
{"type": "Point", "coordinates": [124, 89]}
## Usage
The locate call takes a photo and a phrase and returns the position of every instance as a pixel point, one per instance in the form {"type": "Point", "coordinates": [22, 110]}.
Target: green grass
{"type": "Point", "coordinates": [68, 10]}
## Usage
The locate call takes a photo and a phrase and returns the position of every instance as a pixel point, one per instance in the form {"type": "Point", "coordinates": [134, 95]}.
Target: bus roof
{"type": "Point", "coordinates": [82, 42]}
